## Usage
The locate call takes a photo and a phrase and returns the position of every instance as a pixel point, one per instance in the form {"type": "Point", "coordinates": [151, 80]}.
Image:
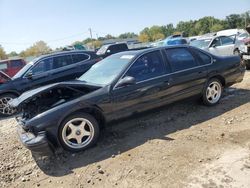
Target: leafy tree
{"type": "Point", "coordinates": [216, 27]}
{"type": "Point", "coordinates": [39, 48]}
{"type": "Point", "coordinates": [108, 36]}
{"type": "Point", "coordinates": [12, 54]}
{"type": "Point", "coordinates": [127, 35]}
{"type": "Point", "coordinates": [143, 37]}
{"type": "Point", "coordinates": [2, 53]}
{"type": "Point", "coordinates": [234, 21]}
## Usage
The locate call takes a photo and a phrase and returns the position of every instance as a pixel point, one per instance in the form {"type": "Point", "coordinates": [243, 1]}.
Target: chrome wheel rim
{"type": "Point", "coordinates": [213, 92]}
{"type": "Point", "coordinates": [78, 133]}
{"type": "Point", "coordinates": [5, 108]}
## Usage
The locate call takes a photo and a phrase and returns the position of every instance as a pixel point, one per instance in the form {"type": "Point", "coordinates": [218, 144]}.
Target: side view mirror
{"type": "Point", "coordinates": [29, 75]}
{"type": "Point", "coordinates": [126, 81]}
{"type": "Point", "coordinates": [108, 51]}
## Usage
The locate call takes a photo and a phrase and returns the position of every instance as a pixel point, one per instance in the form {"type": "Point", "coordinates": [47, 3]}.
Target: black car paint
{"type": "Point", "coordinates": [110, 102]}
{"type": "Point", "coordinates": [21, 84]}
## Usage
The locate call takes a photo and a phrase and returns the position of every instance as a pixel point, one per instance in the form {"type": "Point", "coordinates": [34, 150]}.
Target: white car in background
{"type": "Point", "coordinates": [218, 45]}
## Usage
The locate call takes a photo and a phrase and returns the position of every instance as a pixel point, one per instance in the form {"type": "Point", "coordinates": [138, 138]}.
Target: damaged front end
{"type": "Point", "coordinates": [37, 101]}
{"type": "Point", "coordinates": [35, 128]}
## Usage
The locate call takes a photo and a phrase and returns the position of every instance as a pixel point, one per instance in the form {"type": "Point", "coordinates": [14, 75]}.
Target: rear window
{"type": "Point", "coordinates": [16, 63]}
{"type": "Point", "coordinates": [62, 61]}
{"type": "Point", "coordinates": [205, 59]}
{"type": "Point", "coordinates": [79, 57]}
{"type": "Point", "coordinates": [180, 59]}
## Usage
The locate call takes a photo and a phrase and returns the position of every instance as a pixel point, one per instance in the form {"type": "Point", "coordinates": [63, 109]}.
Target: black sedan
{"type": "Point", "coordinates": [71, 114]}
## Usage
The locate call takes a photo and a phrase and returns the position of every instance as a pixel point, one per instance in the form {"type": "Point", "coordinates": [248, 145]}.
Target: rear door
{"type": "Point", "coordinates": [152, 82]}
{"type": "Point", "coordinates": [188, 77]}
{"type": "Point", "coordinates": [228, 44]}
{"type": "Point", "coordinates": [222, 46]}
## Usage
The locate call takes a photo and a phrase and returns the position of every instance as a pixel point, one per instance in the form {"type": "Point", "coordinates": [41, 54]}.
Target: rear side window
{"type": "Point", "coordinates": [79, 57]}
{"type": "Point", "coordinates": [205, 59]}
{"type": "Point", "coordinates": [16, 63]}
{"type": "Point", "coordinates": [147, 66]}
{"type": "Point", "coordinates": [180, 59]}
{"type": "Point", "coordinates": [226, 41]}
{"type": "Point", "coordinates": [62, 61]}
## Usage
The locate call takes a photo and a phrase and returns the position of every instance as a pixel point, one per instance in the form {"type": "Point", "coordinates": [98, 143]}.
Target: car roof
{"type": "Point", "coordinates": [65, 52]}
{"type": "Point", "coordinates": [142, 51]}
{"type": "Point", "coordinates": [11, 59]}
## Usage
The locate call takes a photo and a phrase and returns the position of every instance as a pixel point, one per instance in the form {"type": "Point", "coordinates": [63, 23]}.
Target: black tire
{"type": "Point", "coordinates": [206, 99]}
{"type": "Point", "coordinates": [237, 52]}
{"type": "Point", "coordinates": [248, 64]}
{"type": "Point", "coordinates": [70, 144]}
{"type": "Point", "coordinates": [5, 110]}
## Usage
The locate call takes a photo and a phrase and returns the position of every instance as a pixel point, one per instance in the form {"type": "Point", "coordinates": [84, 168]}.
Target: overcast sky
{"type": "Point", "coordinates": [61, 22]}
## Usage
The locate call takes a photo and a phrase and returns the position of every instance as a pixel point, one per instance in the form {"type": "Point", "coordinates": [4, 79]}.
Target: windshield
{"type": "Point", "coordinates": [102, 50]}
{"type": "Point", "coordinates": [105, 71]}
{"type": "Point", "coordinates": [23, 70]}
{"type": "Point", "coordinates": [201, 43]}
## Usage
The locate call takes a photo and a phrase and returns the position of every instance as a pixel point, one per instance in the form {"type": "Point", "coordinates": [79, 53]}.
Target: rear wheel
{"type": "Point", "coordinates": [5, 109]}
{"type": "Point", "coordinates": [247, 64]}
{"type": "Point", "coordinates": [237, 52]}
{"type": "Point", "coordinates": [212, 92]}
{"type": "Point", "coordinates": [78, 132]}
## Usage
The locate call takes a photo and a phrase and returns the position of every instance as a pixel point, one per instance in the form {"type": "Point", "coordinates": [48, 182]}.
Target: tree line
{"type": "Point", "coordinates": [201, 26]}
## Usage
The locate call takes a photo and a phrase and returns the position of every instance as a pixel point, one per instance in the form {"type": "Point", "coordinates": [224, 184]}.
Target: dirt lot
{"type": "Point", "coordinates": [182, 145]}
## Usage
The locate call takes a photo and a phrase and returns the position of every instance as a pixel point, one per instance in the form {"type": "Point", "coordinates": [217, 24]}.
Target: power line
{"type": "Point", "coordinates": [48, 41]}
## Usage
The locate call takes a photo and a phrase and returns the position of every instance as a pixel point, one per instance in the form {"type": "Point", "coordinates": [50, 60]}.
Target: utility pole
{"type": "Point", "coordinates": [90, 32]}
{"type": "Point", "coordinates": [246, 20]}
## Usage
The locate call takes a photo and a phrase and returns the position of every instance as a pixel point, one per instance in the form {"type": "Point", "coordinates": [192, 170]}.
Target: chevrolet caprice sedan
{"type": "Point", "coordinates": [71, 114]}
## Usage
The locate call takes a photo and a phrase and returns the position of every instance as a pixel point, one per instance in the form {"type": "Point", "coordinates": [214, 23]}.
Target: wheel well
{"type": "Point", "coordinates": [236, 49]}
{"type": "Point", "coordinates": [95, 112]}
{"type": "Point", "coordinates": [222, 79]}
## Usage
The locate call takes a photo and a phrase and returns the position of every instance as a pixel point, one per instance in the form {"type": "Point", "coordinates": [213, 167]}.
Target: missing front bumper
{"type": "Point", "coordinates": [38, 144]}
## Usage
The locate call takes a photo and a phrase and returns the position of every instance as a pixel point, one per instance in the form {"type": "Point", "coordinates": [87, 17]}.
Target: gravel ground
{"type": "Point", "coordinates": [182, 145]}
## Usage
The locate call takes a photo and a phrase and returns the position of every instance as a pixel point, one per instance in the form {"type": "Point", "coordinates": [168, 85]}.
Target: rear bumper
{"type": "Point", "coordinates": [38, 144]}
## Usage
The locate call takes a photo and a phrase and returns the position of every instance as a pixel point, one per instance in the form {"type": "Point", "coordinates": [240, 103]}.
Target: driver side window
{"type": "Point", "coordinates": [42, 66]}
{"type": "Point", "coordinates": [147, 66]}
{"type": "Point", "coordinates": [216, 42]}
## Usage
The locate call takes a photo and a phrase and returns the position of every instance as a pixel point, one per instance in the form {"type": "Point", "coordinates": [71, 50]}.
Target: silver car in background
{"type": "Point", "coordinates": [218, 45]}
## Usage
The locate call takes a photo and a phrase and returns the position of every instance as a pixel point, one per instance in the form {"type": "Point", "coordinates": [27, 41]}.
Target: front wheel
{"type": "Point", "coordinates": [78, 132]}
{"type": "Point", "coordinates": [212, 92]}
{"type": "Point", "coordinates": [5, 109]}
{"type": "Point", "coordinates": [248, 64]}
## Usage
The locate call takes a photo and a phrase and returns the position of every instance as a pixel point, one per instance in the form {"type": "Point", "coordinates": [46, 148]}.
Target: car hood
{"type": "Point", "coordinates": [35, 92]}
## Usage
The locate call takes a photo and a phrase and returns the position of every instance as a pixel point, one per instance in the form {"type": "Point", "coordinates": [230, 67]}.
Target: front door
{"type": "Point", "coordinates": [152, 81]}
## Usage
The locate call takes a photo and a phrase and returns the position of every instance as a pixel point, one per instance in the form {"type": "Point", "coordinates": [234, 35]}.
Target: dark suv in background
{"type": "Point", "coordinates": [56, 67]}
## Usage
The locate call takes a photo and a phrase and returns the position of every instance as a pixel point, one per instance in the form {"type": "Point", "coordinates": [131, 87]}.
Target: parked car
{"type": "Point", "coordinates": [218, 45]}
{"type": "Point", "coordinates": [109, 49]}
{"type": "Point", "coordinates": [45, 70]}
{"type": "Point", "coordinates": [245, 49]}
{"type": "Point", "coordinates": [11, 66]}
{"type": "Point", "coordinates": [170, 42]}
{"type": "Point", "coordinates": [71, 114]}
